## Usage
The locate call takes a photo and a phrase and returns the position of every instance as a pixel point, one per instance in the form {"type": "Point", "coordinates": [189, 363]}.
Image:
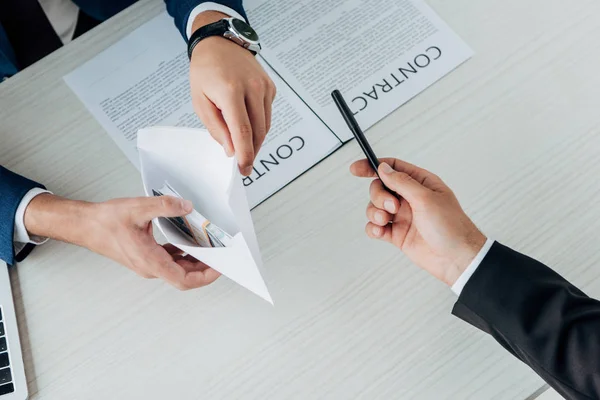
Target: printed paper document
{"type": "Point", "coordinates": [378, 53]}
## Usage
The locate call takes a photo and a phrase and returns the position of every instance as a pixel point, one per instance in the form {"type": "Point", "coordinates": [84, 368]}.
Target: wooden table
{"type": "Point", "coordinates": [515, 132]}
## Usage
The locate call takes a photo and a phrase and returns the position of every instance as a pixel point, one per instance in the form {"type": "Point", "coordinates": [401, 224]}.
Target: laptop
{"type": "Point", "coordinates": [13, 385]}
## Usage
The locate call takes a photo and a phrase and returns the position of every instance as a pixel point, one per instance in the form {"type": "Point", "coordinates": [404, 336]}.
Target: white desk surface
{"type": "Point", "coordinates": [549, 394]}
{"type": "Point", "coordinates": [515, 132]}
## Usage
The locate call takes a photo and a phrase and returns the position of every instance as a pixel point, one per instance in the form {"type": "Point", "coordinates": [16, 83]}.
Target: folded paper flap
{"type": "Point", "coordinates": [236, 244]}
{"type": "Point", "coordinates": [177, 238]}
{"type": "Point", "coordinates": [181, 159]}
{"type": "Point", "coordinates": [227, 260]}
{"type": "Point", "coordinates": [237, 196]}
{"type": "Point", "coordinates": [172, 234]}
{"type": "Point", "coordinates": [197, 168]}
{"type": "Point", "coordinates": [161, 137]}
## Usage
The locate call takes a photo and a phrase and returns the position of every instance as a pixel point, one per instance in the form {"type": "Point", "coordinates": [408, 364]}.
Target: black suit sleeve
{"type": "Point", "coordinates": [539, 317]}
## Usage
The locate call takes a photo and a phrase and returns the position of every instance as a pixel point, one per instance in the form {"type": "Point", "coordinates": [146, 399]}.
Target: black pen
{"type": "Point", "coordinates": [357, 132]}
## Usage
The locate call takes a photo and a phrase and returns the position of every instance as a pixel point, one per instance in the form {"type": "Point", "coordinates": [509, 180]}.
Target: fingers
{"type": "Point", "coordinates": [402, 183]}
{"type": "Point", "coordinates": [269, 107]}
{"type": "Point", "coordinates": [255, 104]}
{"type": "Point", "coordinates": [183, 274]}
{"type": "Point", "coordinates": [236, 116]}
{"type": "Point", "coordinates": [377, 216]}
{"type": "Point", "coordinates": [248, 118]}
{"type": "Point", "coordinates": [160, 206]}
{"type": "Point", "coordinates": [363, 169]}
{"type": "Point", "coordinates": [172, 250]}
{"type": "Point", "coordinates": [212, 118]}
{"type": "Point", "coordinates": [145, 275]}
{"type": "Point", "coordinates": [383, 199]}
{"type": "Point", "coordinates": [191, 265]}
{"type": "Point", "coordinates": [402, 179]}
{"type": "Point", "coordinates": [177, 276]}
{"type": "Point", "coordinates": [197, 273]}
{"type": "Point", "coordinates": [196, 279]}
{"type": "Point", "coordinates": [233, 96]}
{"type": "Point", "coordinates": [379, 232]}
{"type": "Point", "coordinates": [268, 101]}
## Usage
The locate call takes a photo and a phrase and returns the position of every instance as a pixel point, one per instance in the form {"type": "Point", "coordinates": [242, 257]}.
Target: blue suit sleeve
{"type": "Point", "coordinates": [180, 10]}
{"type": "Point", "coordinates": [103, 10]}
{"type": "Point", "coordinates": [12, 189]}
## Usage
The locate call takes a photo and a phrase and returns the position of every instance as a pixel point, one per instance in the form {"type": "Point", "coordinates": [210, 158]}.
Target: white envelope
{"type": "Point", "coordinates": [197, 167]}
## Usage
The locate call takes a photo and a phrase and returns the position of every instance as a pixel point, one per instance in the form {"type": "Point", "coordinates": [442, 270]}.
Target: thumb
{"type": "Point", "coordinates": [401, 183]}
{"type": "Point", "coordinates": [162, 206]}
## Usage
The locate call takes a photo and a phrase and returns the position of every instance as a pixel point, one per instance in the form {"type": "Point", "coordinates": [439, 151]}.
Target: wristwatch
{"type": "Point", "coordinates": [234, 29]}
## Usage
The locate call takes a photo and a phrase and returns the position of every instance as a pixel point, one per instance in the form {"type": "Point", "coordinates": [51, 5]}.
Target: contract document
{"type": "Point", "coordinates": [378, 53]}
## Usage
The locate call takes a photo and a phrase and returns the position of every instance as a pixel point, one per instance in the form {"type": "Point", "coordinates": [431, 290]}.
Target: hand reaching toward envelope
{"type": "Point", "coordinates": [231, 93]}
{"type": "Point", "coordinates": [122, 231]}
{"type": "Point", "coordinates": [425, 221]}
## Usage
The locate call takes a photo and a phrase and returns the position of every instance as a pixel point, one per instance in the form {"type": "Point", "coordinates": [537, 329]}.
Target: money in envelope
{"type": "Point", "coordinates": [177, 160]}
{"type": "Point", "coordinates": [195, 225]}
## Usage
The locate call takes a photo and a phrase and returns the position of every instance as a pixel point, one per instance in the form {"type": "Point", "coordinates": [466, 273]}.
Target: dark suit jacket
{"type": "Point", "coordinates": [539, 317]}
{"type": "Point", "coordinates": [13, 187]}
{"type": "Point", "coordinates": [103, 9]}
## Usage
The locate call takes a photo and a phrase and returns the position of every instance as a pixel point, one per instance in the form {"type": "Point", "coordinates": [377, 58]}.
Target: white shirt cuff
{"type": "Point", "coordinates": [21, 236]}
{"type": "Point", "coordinates": [63, 15]}
{"type": "Point", "coordinates": [467, 273]}
{"type": "Point", "coordinates": [209, 6]}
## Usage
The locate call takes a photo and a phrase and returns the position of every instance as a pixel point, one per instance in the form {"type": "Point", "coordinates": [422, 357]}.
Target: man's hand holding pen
{"type": "Point", "coordinates": [427, 223]}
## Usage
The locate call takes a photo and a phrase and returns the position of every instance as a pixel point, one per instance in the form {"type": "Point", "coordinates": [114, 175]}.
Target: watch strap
{"type": "Point", "coordinates": [215, 29]}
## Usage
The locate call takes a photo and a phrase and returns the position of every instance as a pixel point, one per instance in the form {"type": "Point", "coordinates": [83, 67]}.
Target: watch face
{"type": "Point", "coordinates": [244, 29]}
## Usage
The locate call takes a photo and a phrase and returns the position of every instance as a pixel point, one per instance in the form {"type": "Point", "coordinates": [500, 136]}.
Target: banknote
{"type": "Point", "coordinates": [194, 225]}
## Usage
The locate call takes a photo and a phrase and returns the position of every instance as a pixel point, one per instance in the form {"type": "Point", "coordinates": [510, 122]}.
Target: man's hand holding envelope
{"type": "Point", "coordinates": [190, 164]}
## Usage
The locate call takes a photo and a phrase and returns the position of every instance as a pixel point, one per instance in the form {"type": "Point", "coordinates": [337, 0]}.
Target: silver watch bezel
{"type": "Point", "coordinates": [233, 35]}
